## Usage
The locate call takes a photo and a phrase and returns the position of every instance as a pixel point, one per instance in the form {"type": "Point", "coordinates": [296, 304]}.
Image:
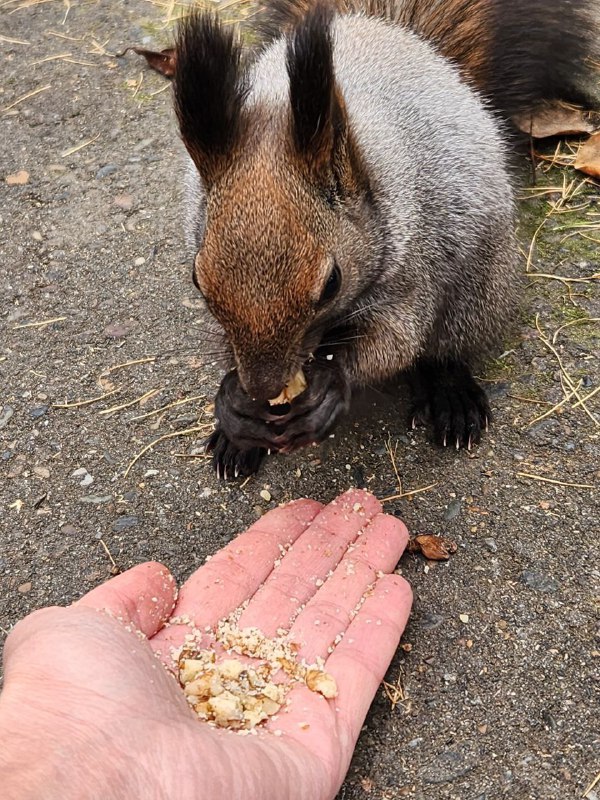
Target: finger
{"type": "Point", "coordinates": [309, 561]}
{"type": "Point", "coordinates": [328, 614]}
{"type": "Point", "coordinates": [235, 572]}
{"type": "Point", "coordinates": [361, 659]}
{"type": "Point", "coordinates": [144, 597]}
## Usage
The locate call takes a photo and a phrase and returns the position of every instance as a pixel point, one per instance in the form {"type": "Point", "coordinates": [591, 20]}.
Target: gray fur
{"type": "Point", "coordinates": [436, 163]}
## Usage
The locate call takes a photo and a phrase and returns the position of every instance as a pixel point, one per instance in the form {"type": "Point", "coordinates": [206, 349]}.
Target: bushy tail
{"type": "Point", "coordinates": [518, 53]}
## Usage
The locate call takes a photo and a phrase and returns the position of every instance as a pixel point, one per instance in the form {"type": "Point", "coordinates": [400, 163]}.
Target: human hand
{"type": "Point", "coordinates": [88, 710]}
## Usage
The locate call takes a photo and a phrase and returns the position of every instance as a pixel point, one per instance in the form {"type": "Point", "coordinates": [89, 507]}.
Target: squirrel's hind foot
{"type": "Point", "coordinates": [228, 461]}
{"type": "Point", "coordinates": [446, 395]}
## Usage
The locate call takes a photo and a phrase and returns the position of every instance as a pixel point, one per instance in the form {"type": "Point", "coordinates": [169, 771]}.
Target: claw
{"type": "Point", "coordinates": [487, 422]}
{"type": "Point", "coordinates": [458, 442]}
{"type": "Point", "coordinates": [469, 442]}
{"type": "Point", "coordinates": [237, 471]}
{"type": "Point", "coordinates": [225, 473]}
{"type": "Point", "coordinates": [218, 471]}
{"type": "Point", "coordinates": [414, 423]}
{"type": "Point", "coordinates": [444, 442]}
{"type": "Point", "coordinates": [268, 451]}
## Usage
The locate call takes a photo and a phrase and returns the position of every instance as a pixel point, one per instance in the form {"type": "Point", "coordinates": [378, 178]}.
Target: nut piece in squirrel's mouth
{"type": "Point", "coordinates": [291, 390]}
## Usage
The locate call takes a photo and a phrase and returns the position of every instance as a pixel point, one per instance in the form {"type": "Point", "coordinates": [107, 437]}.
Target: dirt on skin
{"type": "Point", "coordinates": [495, 687]}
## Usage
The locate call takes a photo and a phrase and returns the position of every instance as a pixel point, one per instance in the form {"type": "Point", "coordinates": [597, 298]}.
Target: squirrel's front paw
{"type": "Point", "coordinates": [228, 460]}
{"type": "Point", "coordinates": [315, 413]}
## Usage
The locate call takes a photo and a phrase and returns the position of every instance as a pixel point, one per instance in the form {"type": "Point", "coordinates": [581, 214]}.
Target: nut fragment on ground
{"type": "Point", "coordinates": [291, 390]}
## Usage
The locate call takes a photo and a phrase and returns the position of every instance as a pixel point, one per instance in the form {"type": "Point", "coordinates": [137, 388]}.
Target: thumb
{"type": "Point", "coordinates": [144, 597]}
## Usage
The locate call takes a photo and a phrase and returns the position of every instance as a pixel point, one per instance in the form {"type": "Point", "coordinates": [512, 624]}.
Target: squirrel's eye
{"type": "Point", "coordinates": [332, 287]}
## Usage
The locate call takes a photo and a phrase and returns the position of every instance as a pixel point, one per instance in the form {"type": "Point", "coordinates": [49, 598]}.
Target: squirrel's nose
{"type": "Point", "coordinates": [262, 386]}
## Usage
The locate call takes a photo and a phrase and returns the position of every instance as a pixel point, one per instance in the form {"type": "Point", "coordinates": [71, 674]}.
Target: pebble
{"type": "Point", "coordinates": [41, 472]}
{"type": "Point", "coordinates": [124, 522]}
{"type": "Point", "coordinates": [106, 170]}
{"type": "Point", "coordinates": [266, 495]}
{"type": "Point", "coordinates": [124, 201]}
{"type": "Point", "coordinates": [539, 581]}
{"type": "Point", "coordinates": [7, 413]}
{"type": "Point", "coordinates": [117, 330]}
{"type": "Point", "coordinates": [24, 587]}
{"type": "Point", "coordinates": [490, 544]}
{"type": "Point", "coordinates": [139, 261]}
{"type": "Point", "coordinates": [19, 178]}
{"type": "Point", "coordinates": [463, 618]}
{"type": "Point", "coordinates": [453, 510]}
{"type": "Point", "coordinates": [96, 499]}
{"type": "Point", "coordinates": [432, 621]}
{"type": "Point", "coordinates": [69, 530]}
{"type": "Point", "coordinates": [38, 412]}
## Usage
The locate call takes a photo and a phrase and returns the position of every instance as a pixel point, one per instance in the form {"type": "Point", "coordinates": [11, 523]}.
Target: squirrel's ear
{"type": "Point", "coordinates": [319, 123]}
{"type": "Point", "coordinates": [210, 86]}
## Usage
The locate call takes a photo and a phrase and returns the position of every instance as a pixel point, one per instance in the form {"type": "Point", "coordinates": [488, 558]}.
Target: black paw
{"type": "Point", "coordinates": [248, 424]}
{"type": "Point", "coordinates": [447, 396]}
{"type": "Point", "coordinates": [228, 460]}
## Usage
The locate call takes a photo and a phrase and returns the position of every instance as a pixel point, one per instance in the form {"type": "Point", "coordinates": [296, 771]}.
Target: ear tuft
{"type": "Point", "coordinates": [312, 83]}
{"type": "Point", "coordinates": [210, 86]}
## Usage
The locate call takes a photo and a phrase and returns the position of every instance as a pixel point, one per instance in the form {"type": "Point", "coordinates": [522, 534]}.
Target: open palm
{"type": "Point", "coordinates": [87, 700]}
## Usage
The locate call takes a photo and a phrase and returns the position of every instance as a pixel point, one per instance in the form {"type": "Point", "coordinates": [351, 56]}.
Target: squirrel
{"type": "Point", "coordinates": [351, 202]}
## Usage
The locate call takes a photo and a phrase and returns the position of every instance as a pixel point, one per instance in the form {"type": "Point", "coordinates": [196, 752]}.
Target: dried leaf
{"type": "Point", "coordinates": [435, 548]}
{"type": "Point", "coordinates": [557, 119]}
{"type": "Point", "coordinates": [588, 157]}
{"type": "Point", "coordinates": [163, 62]}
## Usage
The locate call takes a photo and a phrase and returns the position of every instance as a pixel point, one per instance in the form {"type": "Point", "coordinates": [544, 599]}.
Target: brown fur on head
{"type": "Point", "coordinates": [287, 202]}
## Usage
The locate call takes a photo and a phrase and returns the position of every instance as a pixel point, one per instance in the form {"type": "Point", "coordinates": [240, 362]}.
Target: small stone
{"type": "Point", "coordinates": [539, 581]}
{"type": "Point", "coordinates": [79, 471]}
{"type": "Point", "coordinates": [69, 530]}
{"type": "Point", "coordinates": [37, 236]}
{"type": "Point", "coordinates": [105, 171]}
{"type": "Point", "coordinates": [453, 510]}
{"type": "Point", "coordinates": [117, 330]}
{"type": "Point", "coordinates": [19, 178]}
{"type": "Point", "coordinates": [96, 499]}
{"type": "Point", "coordinates": [41, 472]}
{"type": "Point", "coordinates": [24, 587]}
{"type": "Point", "coordinates": [124, 201]}
{"type": "Point", "coordinates": [491, 545]}
{"type": "Point", "coordinates": [6, 414]}
{"type": "Point", "coordinates": [87, 480]}
{"type": "Point", "coordinates": [124, 522]}
{"type": "Point", "coordinates": [139, 261]}
{"type": "Point", "coordinates": [38, 412]}
{"type": "Point", "coordinates": [266, 495]}
{"type": "Point", "coordinates": [463, 618]}
{"type": "Point", "coordinates": [432, 621]}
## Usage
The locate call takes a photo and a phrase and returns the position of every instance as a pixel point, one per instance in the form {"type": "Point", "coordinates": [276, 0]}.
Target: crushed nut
{"type": "Point", "coordinates": [291, 390]}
